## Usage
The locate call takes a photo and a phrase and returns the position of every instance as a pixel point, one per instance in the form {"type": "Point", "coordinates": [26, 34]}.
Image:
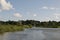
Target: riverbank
{"type": "Point", "coordinates": [12, 28]}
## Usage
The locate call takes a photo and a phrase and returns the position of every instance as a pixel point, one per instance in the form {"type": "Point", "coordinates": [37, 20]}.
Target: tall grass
{"type": "Point", "coordinates": [12, 28]}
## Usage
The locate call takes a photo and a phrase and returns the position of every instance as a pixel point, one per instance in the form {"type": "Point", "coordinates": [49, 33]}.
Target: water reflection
{"type": "Point", "coordinates": [29, 34]}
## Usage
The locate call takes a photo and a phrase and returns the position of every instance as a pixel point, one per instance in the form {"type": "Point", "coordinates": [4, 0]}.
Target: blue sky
{"type": "Point", "coordinates": [42, 10]}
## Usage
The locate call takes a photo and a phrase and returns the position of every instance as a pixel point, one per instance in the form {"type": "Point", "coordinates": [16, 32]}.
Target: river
{"type": "Point", "coordinates": [33, 34]}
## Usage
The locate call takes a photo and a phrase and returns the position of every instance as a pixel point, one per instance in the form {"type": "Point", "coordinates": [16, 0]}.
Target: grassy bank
{"type": "Point", "coordinates": [12, 28]}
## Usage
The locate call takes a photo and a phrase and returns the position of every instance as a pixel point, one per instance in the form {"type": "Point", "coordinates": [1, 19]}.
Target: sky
{"type": "Point", "coordinates": [41, 10]}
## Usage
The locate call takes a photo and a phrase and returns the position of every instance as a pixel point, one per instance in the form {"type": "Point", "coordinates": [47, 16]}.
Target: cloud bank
{"type": "Point", "coordinates": [17, 15]}
{"type": "Point", "coordinates": [5, 5]}
{"type": "Point", "coordinates": [50, 8]}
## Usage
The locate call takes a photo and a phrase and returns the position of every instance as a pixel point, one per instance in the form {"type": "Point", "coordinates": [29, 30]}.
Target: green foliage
{"type": "Point", "coordinates": [11, 26]}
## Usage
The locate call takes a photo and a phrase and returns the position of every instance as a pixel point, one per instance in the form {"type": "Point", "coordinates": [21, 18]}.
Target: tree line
{"type": "Point", "coordinates": [33, 23]}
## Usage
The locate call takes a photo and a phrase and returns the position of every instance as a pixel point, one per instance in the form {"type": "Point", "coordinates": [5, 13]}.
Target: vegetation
{"type": "Point", "coordinates": [45, 24]}
{"type": "Point", "coordinates": [11, 26]}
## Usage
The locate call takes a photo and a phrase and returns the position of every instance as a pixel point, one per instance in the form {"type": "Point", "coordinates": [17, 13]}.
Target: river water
{"type": "Point", "coordinates": [33, 34]}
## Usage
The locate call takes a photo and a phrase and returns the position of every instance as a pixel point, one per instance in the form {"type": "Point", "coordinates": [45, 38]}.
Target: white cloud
{"type": "Point", "coordinates": [34, 15]}
{"type": "Point", "coordinates": [17, 15]}
{"type": "Point", "coordinates": [52, 8]}
{"type": "Point", "coordinates": [52, 17]}
{"type": "Point", "coordinates": [57, 15]}
{"type": "Point", "coordinates": [6, 5]}
{"type": "Point", "coordinates": [44, 7]}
